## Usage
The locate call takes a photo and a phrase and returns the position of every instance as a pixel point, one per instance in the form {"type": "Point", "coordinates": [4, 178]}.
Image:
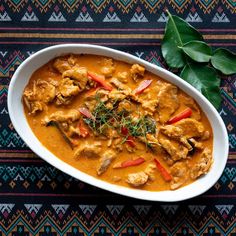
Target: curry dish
{"type": "Point", "coordinates": [118, 122]}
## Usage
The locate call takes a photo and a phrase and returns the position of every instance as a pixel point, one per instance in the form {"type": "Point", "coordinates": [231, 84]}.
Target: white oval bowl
{"type": "Point", "coordinates": [16, 112]}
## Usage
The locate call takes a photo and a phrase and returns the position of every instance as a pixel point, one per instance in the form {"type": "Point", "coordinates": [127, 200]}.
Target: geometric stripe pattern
{"type": "Point", "coordinates": [36, 198]}
{"type": "Point", "coordinates": [155, 221]}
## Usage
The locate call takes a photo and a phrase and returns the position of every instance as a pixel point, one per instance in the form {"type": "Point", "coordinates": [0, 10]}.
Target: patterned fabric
{"type": "Point", "coordinates": [36, 198]}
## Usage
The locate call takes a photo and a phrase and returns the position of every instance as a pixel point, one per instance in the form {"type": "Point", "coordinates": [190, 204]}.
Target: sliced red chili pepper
{"type": "Point", "coordinates": [83, 130]}
{"type": "Point", "coordinates": [130, 139]}
{"type": "Point", "coordinates": [184, 114]}
{"type": "Point", "coordinates": [84, 111]}
{"type": "Point", "coordinates": [142, 86]}
{"type": "Point", "coordinates": [165, 174]}
{"type": "Point", "coordinates": [100, 80]}
{"type": "Point", "coordinates": [129, 163]}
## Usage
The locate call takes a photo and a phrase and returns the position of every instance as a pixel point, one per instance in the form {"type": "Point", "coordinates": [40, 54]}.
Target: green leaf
{"type": "Point", "coordinates": [197, 50]}
{"type": "Point", "coordinates": [224, 61]}
{"type": "Point", "coordinates": [204, 79]}
{"type": "Point", "coordinates": [177, 33]}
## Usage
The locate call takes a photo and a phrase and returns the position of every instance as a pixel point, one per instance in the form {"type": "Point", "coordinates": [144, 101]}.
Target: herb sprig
{"type": "Point", "coordinates": [112, 118]}
{"type": "Point", "coordinates": [183, 47]}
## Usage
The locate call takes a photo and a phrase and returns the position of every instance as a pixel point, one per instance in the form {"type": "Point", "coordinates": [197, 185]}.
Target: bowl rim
{"type": "Point", "coordinates": [44, 153]}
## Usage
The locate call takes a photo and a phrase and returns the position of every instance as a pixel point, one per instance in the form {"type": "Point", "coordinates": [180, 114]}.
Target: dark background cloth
{"type": "Point", "coordinates": [38, 199]}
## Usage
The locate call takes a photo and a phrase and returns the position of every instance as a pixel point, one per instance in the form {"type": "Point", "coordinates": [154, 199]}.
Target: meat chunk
{"type": "Point", "coordinates": [168, 102]}
{"type": "Point", "coordinates": [179, 175]}
{"type": "Point", "coordinates": [176, 153]}
{"type": "Point", "coordinates": [123, 76]}
{"type": "Point", "coordinates": [137, 71]}
{"type": "Point", "coordinates": [150, 171]}
{"type": "Point", "coordinates": [78, 74]}
{"type": "Point", "coordinates": [203, 165]}
{"type": "Point", "coordinates": [61, 116]}
{"type": "Point", "coordinates": [137, 179]}
{"type": "Point", "coordinates": [190, 127]}
{"type": "Point", "coordinates": [89, 150]}
{"type": "Point", "coordinates": [105, 161]}
{"type": "Point", "coordinates": [61, 65]}
{"type": "Point", "coordinates": [66, 91]}
{"type": "Point", "coordinates": [176, 133]}
{"type": "Point", "coordinates": [120, 85]}
{"type": "Point", "coordinates": [126, 106]}
{"type": "Point", "coordinates": [42, 92]}
{"type": "Point", "coordinates": [107, 68]}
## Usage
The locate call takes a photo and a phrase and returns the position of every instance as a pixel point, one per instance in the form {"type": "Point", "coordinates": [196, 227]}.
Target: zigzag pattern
{"type": "Point", "coordinates": [43, 177]}
{"type": "Point", "coordinates": [74, 222]}
{"type": "Point", "coordinates": [125, 6]}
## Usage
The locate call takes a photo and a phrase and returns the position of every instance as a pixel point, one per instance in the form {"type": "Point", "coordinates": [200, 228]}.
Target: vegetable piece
{"type": "Point", "coordinates": [204, 79]}
{"type": "Point", "coordinates": [130, 139]}
{"type": "Point", "coordinates": [165, 174]}
{"type": "Point", "coordinates": [197, 50]}
{"type": "Point", "coordinates": [177, 33]}
{"type": "Point", "coordinates": [72, 143]}
{"type": "Point", "coordinates": [182, 115]}
{"type": "Point", "coordinates": [224, 61]}
{"type": "Point", "coordinates": [142, 86]}
{"type": "Point", "coordinates": [84, 111]}
{"type": "Point", "coordinates": [100, 80]}
{"type": "Point", "coordinates": [83, 130]}
{"type": "Point", "coordinates": [129, 163]}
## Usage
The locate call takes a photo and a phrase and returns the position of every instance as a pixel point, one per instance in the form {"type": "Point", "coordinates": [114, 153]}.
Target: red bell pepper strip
{"type": "Point", "coordinates": [129, 163]}
{"type": "Point", "coordinates": [142, 86]}
{"type": "Point", "coordinates": [130, 140]}
{"type": "Point", "coordinates": [100, 80]}
{"type": "Point", "coordinates": [184, 114]}
{"type": "Point", "coordinates": [84, 111]}
{"type": "Point", "coordinates": [165, 174]}
{"type": "Point", "coordinates": [83, 130]}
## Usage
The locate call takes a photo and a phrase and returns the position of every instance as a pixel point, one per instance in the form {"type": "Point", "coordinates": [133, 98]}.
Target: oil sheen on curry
{"type": "Point", "coordinates": [118, 122]}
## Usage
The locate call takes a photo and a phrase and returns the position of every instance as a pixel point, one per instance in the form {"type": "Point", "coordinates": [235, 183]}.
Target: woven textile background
{"type": "Point", "coordinates": [36, 198]}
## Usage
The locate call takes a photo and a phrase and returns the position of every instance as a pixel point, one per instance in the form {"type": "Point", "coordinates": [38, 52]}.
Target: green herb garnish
{"type": "Point", "coordinates": [183, 47]}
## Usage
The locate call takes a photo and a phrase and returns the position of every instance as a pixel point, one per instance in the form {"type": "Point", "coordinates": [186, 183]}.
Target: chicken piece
{"type": "Point", "coordinates": [61, 65]}
{"type": "Point", "coordinates": [168, 102]}
{"type": "Point", "coordinates": [154, 143]}
{"type": "Point", "coordinates": [150, 171]}
{"type": "Point", "coordinates": [107, 68]}
{"type": "Point", "coordinates": [66, 91]}
{"type": "Point", "coordinates": [137, 179]}
{"type": "Point", "coordinates": [89, 150]}
{"type": "Point", "coordinates": [190, 127]}
{"type": "Point", "coordinates": [125, 106]}
{"type": "Point", "coordinates": [176, 153]}
{"type": "Point", "coordinates": [117, 95]}
{"type": "Point", "coordinates": [105, 161]}
{"type": "Point", "coordinates": [61, 116]}
{"type": "Point", "coordinates": [179, 175]}
{"type": "Point", "coordinates": [203, 165]}
{"type": "Point", "coordinates": [137, 72]}
{"type": "Point", "coordinates": [79, 74]}
{"type": "Point", "coordinates": [123, 76]}
{"type": "Point", "coordinates": [32, 106]}
{"type": "Point", "coordinates": [176, 133]}
{"type": "Point", "coordinates": [41, 93]}
{"type": "Point", "coordinates": [120, 85]}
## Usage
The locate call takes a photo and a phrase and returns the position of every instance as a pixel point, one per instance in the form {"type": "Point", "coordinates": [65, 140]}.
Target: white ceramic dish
{"type": "Point", "coordinates": [15, 107]}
